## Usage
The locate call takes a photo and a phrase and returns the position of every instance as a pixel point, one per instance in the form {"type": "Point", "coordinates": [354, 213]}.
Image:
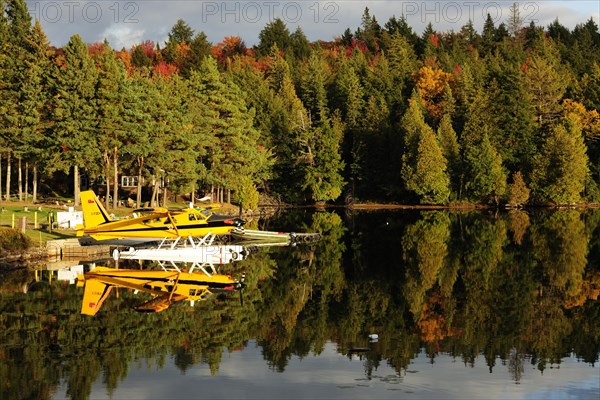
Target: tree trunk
{"type": "Point", "coordinates": [193, 194]}
{"type": "Point", "coordinates": [0, 176]}
{"type": "Point", "coordinates": [34, 183]}
{"type": "Point", "coordinates": [76, 184]}
{"type": "Point", "coordinates": [154, 193]}
{"type": "Point", "coordinates": [20, 177]}
{"type": "Point", "coordinates": [8, 177]}
{"type": "Point", "coordinates": [26, 180]}
{"type": "Point", "coordinates": [107, 177]}
{"type": "Point", "coordinates": [138, 198]}
{"type": "Point", "coordinates": [165, 194]}
{"type": "Point", "coordinates": [116, 179]}
{"type": "Point", "coordinates": [229, 196]}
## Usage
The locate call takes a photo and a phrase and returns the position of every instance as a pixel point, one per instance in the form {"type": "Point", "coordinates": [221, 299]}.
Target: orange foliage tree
{"type": "Point", "coordinates": [431, 84]}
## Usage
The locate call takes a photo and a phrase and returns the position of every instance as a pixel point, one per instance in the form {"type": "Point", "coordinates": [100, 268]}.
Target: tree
{"type": "Point", "coordinates": [560, 170]}
{"type": "Point", "coordinates": [545, 84]}
{"type": "Point", "coordinates": [199, 49]}
{"type": "Point", "coordinates": [180, 35]}
{"type": "Point", "coordinates": [323, 163]}
{"type": "Point", "coordinates": [450, 149]}
{"type": "Point", "coordinates": [74, 133]}
{"type": "Point", "coordinates": [518, 192]}
{"type": "Point", "coordinates": [109, 107]}
{"type": "Point", "coordinates": [237, 152]}
{"type": "Point", "coordinates": [515, 22]}
{"type": "Point", "coordinates": [484, 175]}
{"type": "Point", "coordinates": [274, 33]}
{"type": "Point", "coordinates": [312, 88]}
{"type": "Point", "coordinates": [299, 44]}
{"type": "Point", "coordinates": [423, 164]}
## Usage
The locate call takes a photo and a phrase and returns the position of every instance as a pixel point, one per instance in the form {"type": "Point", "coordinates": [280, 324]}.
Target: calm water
{"type": "Point", "coordinates": [465, 305]}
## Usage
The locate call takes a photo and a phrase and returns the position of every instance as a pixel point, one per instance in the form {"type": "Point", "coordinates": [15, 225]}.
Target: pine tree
{"type": "Point", "coordinates": [545, 82]}
{"type": "Point", "coordinates": [74, 133]}
{"type": "Point", "coordinates": [274, 33]}
{"type": "Point", "coordinates": [299, 44]}
{"type": "Point", "coordinates": [237, 152]}
{"type": "Point", "coordinates": [483, 174]}
{"type": "Point", "coordinates": [109, 107]}
{"type": "Point", "coordinates": [424, 165]}
{"type": "Point", "coordinates": [561, 168]}
{"type": "Point", "coordinates": [450, 149]}
{"type": "Point", "coordinates": [323, 166]}
{"type": "Point", "coordinates": [200, 48]}
{"type": "Point", "coordinates": [485, 178]}
{"type": "Point", "coordinates": [34, 100]}
{"type": "Point", "coordinates": [312, 88]}
{"type": "Point", "coordinates": [137, 121]}
{"type": "Point", "coordinates": [518, 192]}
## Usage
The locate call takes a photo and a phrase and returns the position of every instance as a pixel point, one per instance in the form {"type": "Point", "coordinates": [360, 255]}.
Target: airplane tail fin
{"type": "Point", "coordinates": [95, 292]}
{"type": "Point", "coordinates": [94, 212]}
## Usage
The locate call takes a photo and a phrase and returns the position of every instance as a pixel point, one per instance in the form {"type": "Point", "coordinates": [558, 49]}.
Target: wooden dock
{"type": "Point", "coordinates": [71, 248]}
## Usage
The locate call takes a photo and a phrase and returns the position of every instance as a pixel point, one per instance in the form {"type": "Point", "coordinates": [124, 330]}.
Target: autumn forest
{"type": "Point", "coordinates": [508, 115]}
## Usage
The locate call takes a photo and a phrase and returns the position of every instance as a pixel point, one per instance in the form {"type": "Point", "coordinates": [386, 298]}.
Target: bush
{"type": "Point", "coordinates": [12, 240]}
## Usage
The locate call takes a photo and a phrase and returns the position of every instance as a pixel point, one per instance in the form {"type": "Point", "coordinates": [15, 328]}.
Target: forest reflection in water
{"type": "Point", "coordinates": [513, 290]}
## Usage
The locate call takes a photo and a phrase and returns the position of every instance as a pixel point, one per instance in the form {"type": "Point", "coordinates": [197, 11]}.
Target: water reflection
{"type": "Point", "coordinates": [509, 292]}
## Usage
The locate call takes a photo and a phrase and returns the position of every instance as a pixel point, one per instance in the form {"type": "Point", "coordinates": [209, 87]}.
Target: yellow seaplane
{"type": "Point", "coordinates": [152, 224]}
{"type": "Point", "coordinates": [166, 287]}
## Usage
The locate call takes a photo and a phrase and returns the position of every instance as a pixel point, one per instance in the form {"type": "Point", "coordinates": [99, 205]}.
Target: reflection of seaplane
{"type": "Point", "coordinates": [201, 254]}
{"type": "Point", "coordinates": [152, 223]}
{"type": "Point", "coordinates": [166, 287]}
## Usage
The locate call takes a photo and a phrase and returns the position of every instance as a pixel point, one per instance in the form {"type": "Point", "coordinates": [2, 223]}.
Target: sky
{"type": "Point", "coordinates": [331, 375]}
{"type": "Point", "coordinates": [127, 22]}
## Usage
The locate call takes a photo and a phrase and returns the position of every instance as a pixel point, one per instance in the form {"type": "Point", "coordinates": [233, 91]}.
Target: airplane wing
{"type": "Point", "coordinates": [126, 222]}
{"type": "Point", "coordinates": [159, 303]}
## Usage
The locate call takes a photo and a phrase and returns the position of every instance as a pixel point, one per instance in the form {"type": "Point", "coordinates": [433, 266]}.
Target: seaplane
{"type": "Point", "coordinates": [150, 224]}
{"type": "Point", "coordinates": [165, 287]}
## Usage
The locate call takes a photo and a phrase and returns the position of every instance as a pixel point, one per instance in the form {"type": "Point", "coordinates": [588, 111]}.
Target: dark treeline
{"type": "Point", "coordinates": [506, 115]}
{"type": "Point", "coordinates": [514, 288]}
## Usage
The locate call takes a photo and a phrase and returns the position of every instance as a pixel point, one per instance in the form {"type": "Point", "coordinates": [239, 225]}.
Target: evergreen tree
{"type": "Point", "coordinates": [323, 163]}
{"type": "Point", "coordinates": [312, 88]}
{"type": "Point", "coordinates": [109, 108]}
{"type": "Point", "coordinates": [483, 175]}
{"type": "Point", "coordinates": [545, 83]}
{"type": "Point", "coordinates": [137, 121]}
{"type": "Point", "coordinates": [424, 165]}
{"type": "Point", "coordinates": [200, 48]}
{"type": "Point", "coordinates": [231, 124]}
{"type": "Point", "coordinates": [274, 33]}
{"type": "Point", "coordinates": [33, 103]}
{"type": "Point", "coordinates": [518, 192]}
{"type": "Point", "coordinates": [488, 35]}
{"type": "Point", "coordinates": [74, 133]}
{"type": "Point", "coordinates": [299, 44]}
{"type": "Point", "coordinates": [561, 168]}
{"type": "Point", "coordinates": [450, 149]}
{"type": "Point", "coordinates": [370, 33]}
{"type": "Point", "coordinates": [485, 178]}
{"type": "Point", "coordinates": [180, 35]}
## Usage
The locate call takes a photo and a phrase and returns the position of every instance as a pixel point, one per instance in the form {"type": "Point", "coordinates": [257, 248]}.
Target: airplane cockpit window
{"type": "Point", "coordinates": [206, 213]}
{"type": "Point", "coordinates": [192, 292]}
{"type": "Point", "coordinates": [192, 217]}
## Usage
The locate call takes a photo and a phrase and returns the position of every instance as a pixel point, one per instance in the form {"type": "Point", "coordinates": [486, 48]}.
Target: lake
{"type": "Point", "coordinates": [465, 305]}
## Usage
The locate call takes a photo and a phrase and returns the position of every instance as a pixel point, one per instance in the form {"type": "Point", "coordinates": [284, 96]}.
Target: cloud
{"type": "Point", "coordinates": [122, 36]}
{"type": "Point", "coordinates": [123, 21]}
